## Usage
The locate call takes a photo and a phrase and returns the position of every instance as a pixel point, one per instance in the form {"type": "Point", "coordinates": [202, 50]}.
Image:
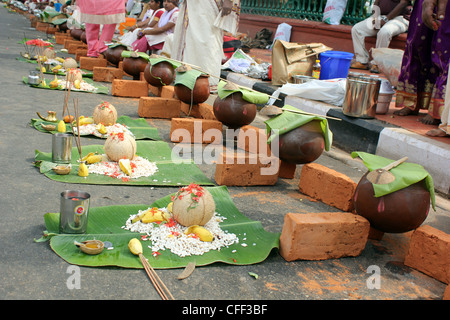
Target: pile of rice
{"type": "Point", "coordinates": [141, 168]}
{"type": "Point", "coordinates": [171, 236]}
{"type": "Point", "coordinates": [88, 129]}
{"type": "Point", "coordinates": [84, 86]}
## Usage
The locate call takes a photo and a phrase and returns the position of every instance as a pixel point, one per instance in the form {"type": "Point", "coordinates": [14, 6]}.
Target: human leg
{"type": "Point", "coordinates": [92, 32]}
{"type": "Point", "coordinates": [106, 37]}
{"type": "Point", "coordinates": [360, 31]}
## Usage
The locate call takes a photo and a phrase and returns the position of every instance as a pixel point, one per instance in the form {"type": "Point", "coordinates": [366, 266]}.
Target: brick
{"type": "Point", "coordinates": [89, 63]}
{"type": "Point", "coordinates": [206, 111]}
{"type": "Point", "coordinates": [51, 30]}
{"type": "Point", "coordinates": [127, 88]}
{"type": "Point", "coordinates": [245, 169]}
{"type": "Point", "coordinates": [60, 37]}
{"type": "Point", "coordinates": [323, 235]}
{"type": "Point", "coordinates": [287, 170]}
{"type": "Point", "coordinates": [80, 53]}
{"type": "Point", "coordinates": [429, 253]}
{"type": "Point", "coordinates": [253, 139]}
{"type": "Point", "coordinates": [156, 107]}
{"type": "Point", "coordinates": [167, 92]}
{"type": "Point", "coordinates": [190, 110]}
{"type": "Point", "coordinates": [327, 185]}
{"type": "Point", "coordinates": [155, 91]}
{"type": "Point", "coordinates": [42, 26]}
{"type": "Point", "coordinates": [120, 66]}
{"type": "Point", "coordinates": [446, 293]}
{"type": "Point", "coordinates": [73, 47]}
{"type": "Point", "coordinates": [105, 74]}
{"type": "Point", "coordinates": [69, 41]}
{"type": "Point", "coordinates": [190, 130]}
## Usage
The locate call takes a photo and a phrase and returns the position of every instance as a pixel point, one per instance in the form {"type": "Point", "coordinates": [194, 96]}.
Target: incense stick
{"type": "Point", "coordinates": [156, 280]}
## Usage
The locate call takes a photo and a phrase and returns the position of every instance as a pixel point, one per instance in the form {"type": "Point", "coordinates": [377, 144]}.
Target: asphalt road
{"type": "Point", "coordinates": [31, 270]}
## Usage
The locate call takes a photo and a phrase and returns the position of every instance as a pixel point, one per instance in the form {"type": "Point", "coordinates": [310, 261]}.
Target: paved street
{"type": "Point", "coordinates": [31, 270]}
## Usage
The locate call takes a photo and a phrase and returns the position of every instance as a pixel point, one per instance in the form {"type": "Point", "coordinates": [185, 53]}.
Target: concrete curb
{"type": "Point", "coordinates": [368, 135]}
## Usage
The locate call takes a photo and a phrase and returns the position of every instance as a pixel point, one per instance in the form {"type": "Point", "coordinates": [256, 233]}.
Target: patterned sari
{"type": "Point", "coordinates": [423, 76]}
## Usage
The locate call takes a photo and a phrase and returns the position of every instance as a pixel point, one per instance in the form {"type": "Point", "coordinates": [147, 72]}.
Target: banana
{"type": "Point", "coordinates": [125, 166]}
{"type": "Point", "coordinates": [61, 126]}
{"type": "Point", "coordinates": [84, 120]}
{"type": "Point", "coordinates": [169, 207]}
{"type": "Point", "coordinates": [59, 59]}
{"type": "Point", "coordinates": [94, 159]}
{"type": "Point", "coordinates": [101, 128]}
{"type": "Point", "coordinates": [77, 84]}
{"type": "Point", "coordinates": [54, 83]}
{"type": "Point", "coordinates": [56, 68]}
{"type": "Point", "coordinates": [202, 233]}
{"type": "Point", "coordinates": [83, 170]}
{"type": "Point", "coordinates": [152, 215]}
{"type": "Point", "coordinates": [135, 246]}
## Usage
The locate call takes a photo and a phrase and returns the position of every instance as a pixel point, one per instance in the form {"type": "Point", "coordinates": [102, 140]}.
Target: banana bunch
{"type": "Point", "coordinates": [91, 158]}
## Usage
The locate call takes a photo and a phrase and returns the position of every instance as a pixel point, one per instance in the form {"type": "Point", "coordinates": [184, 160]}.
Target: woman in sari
{"type": "Point", "coordinates": [424, 72]}
{"type": "Point", "coordinates": [151, 39]}
{"type": "Point", "coordinates": [94, 13]}
{"type": "Point", "coordinates": [149, 21]}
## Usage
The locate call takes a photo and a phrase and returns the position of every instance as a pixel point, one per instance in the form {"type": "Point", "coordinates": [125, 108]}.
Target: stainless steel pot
{"type": "Point", "coordinates": [361, 95]}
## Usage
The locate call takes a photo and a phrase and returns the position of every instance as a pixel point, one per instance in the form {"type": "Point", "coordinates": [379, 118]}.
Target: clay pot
{"type": "Point", "coordinates": [83, 37]}
{"type": "Point", "coordinates": [160, 74]}
{"type": "Point", "coordinates": [134, 66]}
{"type": "Point", "coordinates": [63, 27]}
{"type": "Point", "coordinates": [234, 111]}
{"type": "Point", "coordinates": [114, 55]}
{"type": "Point", "coordinates": [199, 94]}
{"type": "Point", "coordinates": [76, 33]}
{"type": "Point", "coordinates": [303, 144]}
{"type": "Point", "coordinates": [401, 211]}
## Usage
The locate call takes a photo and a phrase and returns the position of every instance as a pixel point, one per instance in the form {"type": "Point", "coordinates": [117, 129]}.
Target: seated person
{"type": "Point", "coordinates": [150, 20]}
{"type": "Point", "coordinates": [391, 18]}
{"type": "Point", "coordinates": [152, 39]}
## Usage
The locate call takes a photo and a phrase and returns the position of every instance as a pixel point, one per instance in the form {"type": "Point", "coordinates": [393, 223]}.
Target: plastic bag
{"type": "Point", "coordinates": [328, 91]}
{"type": "Point", "coordinates": [283, 33]}
{"type": "Point", "coordinates": [333, 12]}
{"type": "Point", "coordinates": [389, 62]}
{"type": "Point", "coordinates": [74, 21]}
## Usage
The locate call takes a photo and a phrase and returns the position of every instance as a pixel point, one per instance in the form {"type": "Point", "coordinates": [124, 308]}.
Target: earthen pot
{"type": "Point", "coordinates": [234, 111]}
{"type": "Point", "coordinates": [114, 55]}
{"type": "Point", "coordinates": [159, 74]}
{"type": "Point", "coordinates": [83, 37]}
{"type": "Point", "coordinates": [401, 211]}
{"type": "Point", "coordinates": [63, 27]}
{"type": "Point", "coordinates": [199, 94]}
{"type": "Point", "coordinates": [134, 66]}
{"type": "Point", "coordinates": [76, 33]}
{"type": "Point", "coordinates": [303, 144]}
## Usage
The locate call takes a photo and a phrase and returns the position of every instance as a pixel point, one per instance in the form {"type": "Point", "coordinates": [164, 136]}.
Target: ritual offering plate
{"type": "Point", "coordinates": [90, 246]}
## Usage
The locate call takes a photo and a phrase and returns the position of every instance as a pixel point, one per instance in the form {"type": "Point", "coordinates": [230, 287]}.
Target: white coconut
{"type": "Point", "coordinates": [70, 63]}
{"type": "Point", "coordinates": [74, 74]}
{"type": "Point", "coordinates": [49, 53]}
{"type": "Point", "coordinates": [120, 146]}
{"type": "Point", "coordinates": [105, 113]}
{"type": "Point", "coordinates": [188, 211]}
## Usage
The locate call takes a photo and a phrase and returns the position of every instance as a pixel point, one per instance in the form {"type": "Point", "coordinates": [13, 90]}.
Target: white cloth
{"type": "Point", "coordinates": [197, 40]}
{"type": "Point", "coordinates": [445, 116]}
{"type": "Point", "coordinates": [130, 37]}
{"type": "Point", "coordinates": [167, 17]}
{"type": "Point", "coordinates": [366, 28]}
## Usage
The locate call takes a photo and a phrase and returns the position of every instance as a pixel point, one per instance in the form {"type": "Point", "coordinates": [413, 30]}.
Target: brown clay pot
{"type": "Point", "coordinates": [76, 33]}
{"type": "Point", "coordinates": [63, 27]}
{"type": "Point", "coordinates": [199, 94]}
{"type": "Point", "coordinates": [83, 37]}
{"type": "Point", "coordinates": [160, 74]}
{"type": "Point", "coordinates": [134, 66]}
{"type": "Point", "coordinates": [234, 111]}
{"type": "Point", "coordinates": [401, 211]}
{"type": "Point", "coordinates": [114, 55]}
{"type": "Point", "coordinates": [303, 144]}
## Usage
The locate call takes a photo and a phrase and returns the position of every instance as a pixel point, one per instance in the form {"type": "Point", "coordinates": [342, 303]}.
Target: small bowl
{"type": "Point", "coordinates": [61, 170]}
{"type": "Point", "coordinates": [48, 127]}
{"type": "Point", "coordinates": [90, 246]}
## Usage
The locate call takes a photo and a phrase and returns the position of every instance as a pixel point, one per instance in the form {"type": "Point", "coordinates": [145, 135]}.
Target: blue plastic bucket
{"type": "Point", "coordinates": [58, 6]}
{"type": "Point", "coordinates": [334, 64]}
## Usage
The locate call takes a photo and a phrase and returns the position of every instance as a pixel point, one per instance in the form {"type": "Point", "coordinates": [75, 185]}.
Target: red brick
{"type": "Point", "coordinates": [89, 63]}
{"type": "Point", "coordinates": [51, 30]}
{"type": "Point", "coordinates": [167, 92]}
{"type": "Point", "coordinates": [447, 293]}
{"type": "Point", "coordinates": [253, 140]}
{"type": "Point", "coordinates": [328, 186]}
{"type": "Point", "coordinates": [60, 37]}
{"type": "Point", "coordinates": [69, 41]}
{"type": "Point", "coordinates": [324, 235]}
{"type": "Point", "coordinates": [287, 170]}
{"type": "Point", "coordinates": [120, 66]}
{"type": "Point", "coordinates": [190, 110]}
{"type": "Point", "coordinates": [80, 53]}
{"type": "Point", "coordinates": [245, 169]}
{"type": "Point", "coordinates": [128, 88]}
{"type": "Point", "coordinates": [105, 74]}
{"type": "Point", "coordinates": [42, 26]}
{"type": "Point", "coordinates": [206, 111]}
{"type": "Point", "coordinates": [429, 252]}
{"type": "Point", "coordinates": [190, 130]}
{"type": "Point", "coordinates": [156, 107]}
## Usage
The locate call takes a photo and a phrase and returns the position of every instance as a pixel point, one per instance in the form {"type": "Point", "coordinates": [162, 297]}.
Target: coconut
{"type": "Point", "coordinates": [105, 113]}
{"type": "Point", "coordinates": [49, 53]}
{"type": "Point", "coordinates": [193, 205]}
{"type": "Point", "coordinates": [120, 146]}
{"type": "Point", "coordinates": [74, 74]}
{"type": "Point", "coordinates": [70, 63]}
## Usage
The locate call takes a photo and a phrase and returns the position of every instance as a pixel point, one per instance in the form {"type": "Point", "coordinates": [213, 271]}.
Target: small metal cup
{"type": "Point", "coordinates": [61, 147]}
{"type": "Point", "coordinates": [74, 208]}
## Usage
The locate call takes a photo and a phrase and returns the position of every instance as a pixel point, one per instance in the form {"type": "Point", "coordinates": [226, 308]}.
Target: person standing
{"type": "Point", "coordinates": [96, 13]}
{"type": "Point", "coordinates": [391, 18]}
{"type": "Point", "coordinates": [198, 35]}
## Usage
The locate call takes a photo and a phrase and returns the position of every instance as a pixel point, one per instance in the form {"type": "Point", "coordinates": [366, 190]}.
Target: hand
{"type": "Point", "coordinates": [432, 20]}
{"type": "Point", "coordinates": [227, 5]}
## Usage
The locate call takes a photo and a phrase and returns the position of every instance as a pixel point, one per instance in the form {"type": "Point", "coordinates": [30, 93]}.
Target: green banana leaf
{"type": "Point", "coordinates": [98, 89]}
{"type": "Point", "coordinates": [187, 78]}
{"type": "Point", "coordinates": [84, 73]}
{"type": "Point", "coordinates": [59, 21]}
{"type": "Point", "coordinates": [248, 95]}
{"type": "Point", "coordinates": [127, 54]}
{"type": "Point", "coordinates": [105, 224]}
{"type": "Point", "coordinates": [139, 127]}
{"type": "Point", "coordinates": [405, 174]}
{"type": "Point", "coordinates": [172, 170]}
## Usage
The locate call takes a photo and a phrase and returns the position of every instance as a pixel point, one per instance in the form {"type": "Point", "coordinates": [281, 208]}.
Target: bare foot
{"type": "Point", "coordinates": [430, 120]}
{"type": "Point", "coordinates": [406, 112]}
{"type": "Point", "coordinates": [436, 133]}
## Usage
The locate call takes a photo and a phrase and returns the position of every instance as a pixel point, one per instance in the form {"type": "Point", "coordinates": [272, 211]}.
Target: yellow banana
{"type": "Point", "coordinates": [152, 215]}
{"type": "Point", "coordinates": [125, 166]}
{"type": "Point", "coordinates": [94, 159]}
{"type": "Point", "coordinates": [61, 126]}
{"type": "Point", "coordinates": [135, 246]}
{"type": "Point", "coordinates": [202, 233]}
{"type": "Point", "coordinates": [83, 170]}
{"type": "Point", "coordinates": [101, 128]}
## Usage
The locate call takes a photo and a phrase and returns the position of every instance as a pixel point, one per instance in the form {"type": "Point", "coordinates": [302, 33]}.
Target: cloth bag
{"type": "Point", "coordinates": [290, 58]}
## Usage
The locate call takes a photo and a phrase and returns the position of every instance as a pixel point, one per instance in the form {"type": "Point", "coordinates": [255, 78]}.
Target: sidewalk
{"type": "Point", "coordinates": [387, 135]}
